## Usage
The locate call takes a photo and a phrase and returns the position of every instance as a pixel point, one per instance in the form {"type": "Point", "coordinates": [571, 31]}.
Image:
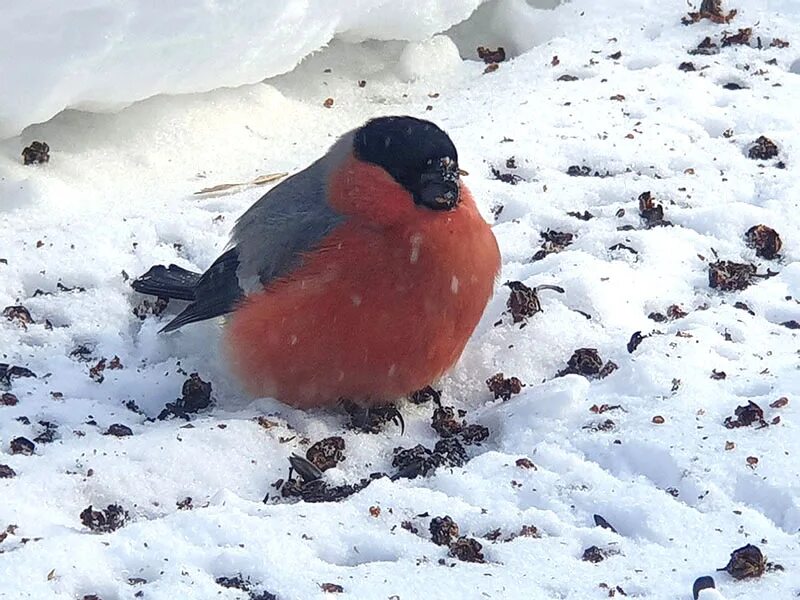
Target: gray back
{"type": "Point", "coordinates": [289, 219]}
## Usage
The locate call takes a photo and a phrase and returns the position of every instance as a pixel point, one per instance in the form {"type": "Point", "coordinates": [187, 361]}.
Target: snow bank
{"type": "Point", "coordinates": [92, 55]}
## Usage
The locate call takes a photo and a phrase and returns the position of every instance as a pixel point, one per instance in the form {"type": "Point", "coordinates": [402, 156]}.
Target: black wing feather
{"type": "Point", "coordinates": [168, 282]}
{"type": "Point", "coordinates": [217, 291]}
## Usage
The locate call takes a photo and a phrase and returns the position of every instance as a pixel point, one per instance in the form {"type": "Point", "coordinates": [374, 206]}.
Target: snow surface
{"type": "Point", "coordinates": [93, 54]}
{"type": "Point", "coordinates": [117, 196]}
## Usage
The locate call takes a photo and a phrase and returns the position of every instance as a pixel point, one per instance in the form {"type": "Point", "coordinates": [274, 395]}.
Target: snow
{"type": "Point", "coordinates": [432, 58]}
{"type": "Point", "coordinates": [91, 54]}
{"type": "Point", "coordinates": [118, 195]}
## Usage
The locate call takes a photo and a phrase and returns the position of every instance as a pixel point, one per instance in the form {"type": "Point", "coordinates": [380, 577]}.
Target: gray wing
{"type": "Point", "coordinates": [267, 242]}
{"type": "Point", "coordinates": [289, 220]}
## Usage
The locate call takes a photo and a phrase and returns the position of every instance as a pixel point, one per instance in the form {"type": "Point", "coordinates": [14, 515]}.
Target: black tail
{"type": "Point", "coordinates": [168, 282]}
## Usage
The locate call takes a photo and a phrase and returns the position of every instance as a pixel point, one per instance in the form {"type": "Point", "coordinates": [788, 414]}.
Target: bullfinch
{"type": "Point", "coordinates": [360, 278]}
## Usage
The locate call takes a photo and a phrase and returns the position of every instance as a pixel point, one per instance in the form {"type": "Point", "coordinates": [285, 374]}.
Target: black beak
{"type": "Point", "coordinates": [439, 189]}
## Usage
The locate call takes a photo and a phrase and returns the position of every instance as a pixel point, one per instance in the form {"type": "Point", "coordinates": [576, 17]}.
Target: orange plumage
{"type": "Point", "coordinates": [382, 308]}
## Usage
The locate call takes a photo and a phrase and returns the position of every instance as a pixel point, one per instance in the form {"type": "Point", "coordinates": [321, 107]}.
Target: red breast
{"type": "Point", "coordinates": [382, 307]}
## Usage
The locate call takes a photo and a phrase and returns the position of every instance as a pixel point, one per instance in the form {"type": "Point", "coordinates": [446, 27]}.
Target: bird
{"type": "Point", "coordinates": [360, 278]}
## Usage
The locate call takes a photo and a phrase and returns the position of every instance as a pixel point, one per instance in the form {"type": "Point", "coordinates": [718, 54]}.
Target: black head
{"type": "Point", "coordinates": [417, 154]}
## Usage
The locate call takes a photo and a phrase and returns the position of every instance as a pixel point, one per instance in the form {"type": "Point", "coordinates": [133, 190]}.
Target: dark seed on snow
{"type": "Point", "coordinates": [741, 37]}
{"type": "Point", "coordinates": [18, 314]}
{"type": "Point", "coordinates": [587, 362]}
{"type": "Point", "coordinates": [196, 395]}
{"type": "Point", "coordinates": [107, 520]}
{"type": "Point", "coordinates": [36, 153]}
{"type": "Point", "coordinates": [22, 445]}
{"type": "Point", "coordinates": [445, 423]}
{"type": "Point", "coordinates": [118, 430]}
{"type": "Point", "coordinates": [765, 240]}
{"type": "Point", "coordinates": [594, 554]}
{"type": "Point", "coordinates": [426, 394]}
{"type": "Point", "coordinates": [502, 387]}
{"type": "Point", "coordinates": [745, 416]}
{"type": "Point", "coordinates": [474, 434]}
{"type": "Point", "coordinates": [729, 276]}
{"type": "Point", "coordinates": [236, 582]}
{"type": "Point", "coordinates": [8, 373]}
{"type": "Point", "coordinates": [8, 399]}
{"type": "Point", "coordinates": [451, 451]}
{"type": "Point", "coordinates": [523, 302]}
{"type": "Point", "coordinates": [150, 307]}
{"type": "Point", "coordinates": [467, 550]}
{"type": "Point", "coordinates": [650, 211]}
{"type": "Point", "coordinates": [636, 339]}
{"type": "Point", "coordinates": [326, 453]}
{"type": "Point", "coordinates": [601, 522]}
{"type": "Point", "coordinates": [443, 531]}
{"type": "Point", "coordinates": [763, 148]}
{"type": "Point", "coordinates": [705, 47]}
{"type": "Point", "coordinates": [307, 470]}
{"type": "Point", "coordinates": [746, 562]}
{"type": "Point", "coordinates": [48, 435]}
{"type": "Point", "coordinates": [488, 55]}
{"type": "Point", "coordinates": [414, 462]}
{"type": "Point", "coordinates": [373, 419]}
{"type": "Point", "coordinates": [510, 178]}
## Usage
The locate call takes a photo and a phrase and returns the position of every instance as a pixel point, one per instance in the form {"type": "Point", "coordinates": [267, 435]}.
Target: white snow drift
{"type": "Point", "coordinates": [91, 54]}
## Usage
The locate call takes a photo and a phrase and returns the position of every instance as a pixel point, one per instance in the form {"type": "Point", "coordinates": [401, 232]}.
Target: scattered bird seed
{"type": "Point", "coordinates": [728, 276]}
{"type": "Point", "coordinates": [587, 362]}
{"type": "Point", "coordinates": [467, 550]}
{"type": "Point", "coordinates": [502, 387]}
{"type": "Point", "coordinates": [765, 240]}
{"type": "Point", "coordinates": [426, 394]}
{"type": "Point", "coordinates": [36, 153]}
{"type": "Point", "coordinates": [22, 445]}
{"type": "Point", "coordinates": [740, 38]}
{"type": "Point", "coordinates": [119, 430]}
{"type": "Point", "coordinates": [763, 149]}
{"type": "Point", "coordinates": [746, 562]}
{"type": "Point", "coordinates": [747, 415]}
{"type": "Point", "coordinates": [705, 48]}
{"type": "Point", "coordinates": [636, 339]}
{"type": "Point", "coordinates": [195, 396]}
{"type": "Point", "coordinates": [444, 531]}
{"type": "Point", "coordinates": [8, 399]}
{"type": "Point", "coordinates": [9, 373]}
{"type": "Point", "coordinates": [600, 521]}
{"type": "Point", "coordinates": [711, 10]}
{"type": "Point", "coordinates": [107, 520]}
{"type": "Point", "coordinates": [651, 212]}
{"type": "Point", "coordinates": [523, 302]}
{"type": "Point", "coordinates": [488, 55]}
{"type": "Point", "coordinates": [326, 453]}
